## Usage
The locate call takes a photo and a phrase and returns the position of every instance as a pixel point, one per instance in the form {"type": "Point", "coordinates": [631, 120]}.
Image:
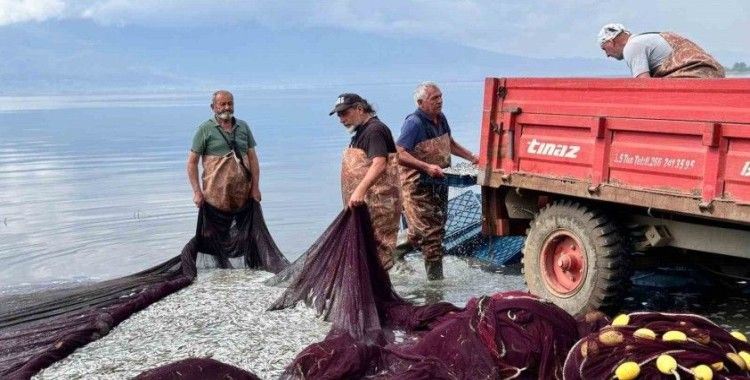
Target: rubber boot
{"type": "Point", "coordinates": [400, 251]}
{"type": "Point", "coordinates": [399, 262]}
{"type": "Point", "coordinates": [403, 246]}
{"type": "Point", "coordinates": [434, 270]}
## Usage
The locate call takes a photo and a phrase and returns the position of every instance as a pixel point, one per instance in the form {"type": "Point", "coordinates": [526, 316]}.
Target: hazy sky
{"type": "Point", "coordinates": [90, 43]}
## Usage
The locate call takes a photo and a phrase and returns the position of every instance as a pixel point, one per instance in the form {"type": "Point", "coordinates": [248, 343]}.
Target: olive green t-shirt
{"type": "Point", "coordinates": [208, 140]}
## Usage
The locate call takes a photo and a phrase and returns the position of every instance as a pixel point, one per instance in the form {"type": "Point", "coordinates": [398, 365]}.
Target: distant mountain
{"type": "Point", "coordinates": [68, 57]}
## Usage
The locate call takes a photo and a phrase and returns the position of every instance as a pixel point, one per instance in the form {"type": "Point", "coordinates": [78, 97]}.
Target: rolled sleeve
{"type": "Point", "coordinates": [199, 142]}
{"type": "Point", "coordinates": [250, 139]}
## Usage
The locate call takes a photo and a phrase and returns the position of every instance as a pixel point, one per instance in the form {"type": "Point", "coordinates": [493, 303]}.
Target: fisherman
{"type": "Point", "coordinates": [226, 148]}
{"type": "Point", "coordinates": [369, 171]}
{"type": "Point", "coordinates": [425, 147]}
{"type": "Point", "coordinates": [658, 55]}
{"type": "Point", "coordinates": [230, 220]}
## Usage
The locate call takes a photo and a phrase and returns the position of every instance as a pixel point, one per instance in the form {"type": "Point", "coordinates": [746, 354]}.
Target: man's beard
{"type": "Point", "coordinates": [351, 129]}
{"type": "Point", "coordinates": [226, 115]}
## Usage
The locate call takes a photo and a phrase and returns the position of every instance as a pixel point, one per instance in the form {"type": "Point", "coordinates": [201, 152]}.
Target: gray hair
{"type": "Point", "coordinates": [219, 92]}
{"type": "Point", "coordinates": [366, 107]}
{"type": "Point", "coordinates": [421, 91]}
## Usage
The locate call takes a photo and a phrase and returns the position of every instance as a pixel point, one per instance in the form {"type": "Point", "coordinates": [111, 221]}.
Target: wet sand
{"type": "Point", "coordinates": [222, 315]}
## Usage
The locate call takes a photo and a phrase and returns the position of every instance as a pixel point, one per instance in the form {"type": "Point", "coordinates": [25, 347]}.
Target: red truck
{"type": "Point", "coordinates": [605, 174]}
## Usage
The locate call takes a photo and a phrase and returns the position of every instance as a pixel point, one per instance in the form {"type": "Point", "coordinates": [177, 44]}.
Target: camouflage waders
{"type": "Point", "coordinates": [425, 206]}
{"type": "Point", "coordinates": [687, 60]}
{"type": "Point", "coordinates": [224, 183]}
{"type": "Point", "coordinates": [383, 198]}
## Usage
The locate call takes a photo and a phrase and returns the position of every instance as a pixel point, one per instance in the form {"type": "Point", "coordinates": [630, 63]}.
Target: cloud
{"type": "Point", "coordinates": [542, 28]}
{"type": "Point", "coordinates": [169, 13]}
{"type": "Point", "coordinates": [17, 11]}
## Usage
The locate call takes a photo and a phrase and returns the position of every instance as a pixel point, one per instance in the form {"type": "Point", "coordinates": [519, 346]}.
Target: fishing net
{"type": "Point", "coordinates": [507, 335]}
{"type": "Point", "coordinates": [238, 238]}
{"type": "Point", "coordinates": [463, 234]}
{"type": "Point", "coordinates": [376, 333]}
{"type": "Point", "coordinates": [197, 369]}
{"type": "Point", "coordinates": [340, 277]}
{"type": "Point", "coordinates": [651, 345]}
{"type": "Point", "coordinates": [40, 328]}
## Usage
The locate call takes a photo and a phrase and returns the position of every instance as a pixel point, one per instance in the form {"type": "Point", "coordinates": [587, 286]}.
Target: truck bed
{"type": "Point", "coordinates": [681, 145]}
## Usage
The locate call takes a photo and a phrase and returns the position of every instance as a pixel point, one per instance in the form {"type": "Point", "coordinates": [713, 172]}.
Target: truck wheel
{"type": "Point", "coordinates": [573, 256]}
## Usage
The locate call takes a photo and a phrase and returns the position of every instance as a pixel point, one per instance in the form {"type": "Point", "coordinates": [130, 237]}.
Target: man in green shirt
{"type": "Point", "coordinates": [226, 148]}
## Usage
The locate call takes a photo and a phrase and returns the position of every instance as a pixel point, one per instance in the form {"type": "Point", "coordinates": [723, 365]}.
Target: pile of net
{"type": "Point", "coordinates": [375, 333]}
{"type": "Point", "coordinates": [238, 239]}
{"type": "Point", "coordinates": [41, 328]}
{"type": "Point", "coordinates": [650, 345]}
{"type": "Point", "coordinates": [197, 369]}
{"type": "Point", "coordinates": [339, 275]}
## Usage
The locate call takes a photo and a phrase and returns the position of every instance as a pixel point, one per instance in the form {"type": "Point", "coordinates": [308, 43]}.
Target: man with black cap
{"type": "Point", "coordinates": [369, 171]}
{"type": "Point", "coordinates": [658, 55]}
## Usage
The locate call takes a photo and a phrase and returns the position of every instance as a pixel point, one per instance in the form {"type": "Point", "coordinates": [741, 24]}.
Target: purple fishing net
{"type": "Point", "coordinates": [502, 336]}
{"type": "Point", "coordinates": [341, 278]}
{"type": "Point", "coordinates": [41, 328]}
{"type": "Point", "coordinates": [507, 335]}
{"type": "Point", "coordinates": [197, 369]}
{"type": "Point", "coordinates": [228, 237]}
{"type": "Point", "coordinates": [643, 337]}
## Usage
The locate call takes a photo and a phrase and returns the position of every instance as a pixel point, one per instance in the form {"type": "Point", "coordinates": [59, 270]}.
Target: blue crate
{"type": "Point", "coordinates": [499, 250]}
{"type": "Point", "coordinates": [452, 180]}
{"type": "Point", "coordinates": [464, 220]}
{"type": "Point", "coordinates": [463, 234]}
{"type": "Point", "coordinates": [464, 214]}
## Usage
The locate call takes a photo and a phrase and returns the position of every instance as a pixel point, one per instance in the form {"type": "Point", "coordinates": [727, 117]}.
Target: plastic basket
{"type": "Point", "coordinates": [463, 234]}
{"type": "Point", "coordinates": [452, 180]}
{"type": "Point", "coordinates": [498, 251]}
{"type": "Point", "coordinates": [464, 214]}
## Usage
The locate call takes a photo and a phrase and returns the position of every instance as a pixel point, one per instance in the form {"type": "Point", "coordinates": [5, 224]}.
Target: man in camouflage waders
{"type": "Point", "coordinates": [658, 55]}
{"type": "Point", "coordinates": [226, 147]}
{"type": "Point", "coordinates": [425, 146]}
{"type": "Point", "coordinates": [369, 171]}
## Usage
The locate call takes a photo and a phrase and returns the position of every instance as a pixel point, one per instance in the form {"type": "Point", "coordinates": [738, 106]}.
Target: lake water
{"type": "Point", "coordinates": [94, 187]}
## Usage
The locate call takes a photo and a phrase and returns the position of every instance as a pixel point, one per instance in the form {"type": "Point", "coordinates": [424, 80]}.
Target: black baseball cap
{"type": "Point", "coordinates": [345, 101]}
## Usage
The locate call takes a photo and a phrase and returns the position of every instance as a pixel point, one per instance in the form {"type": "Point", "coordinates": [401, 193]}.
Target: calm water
{"type": "Point", "coordinates": [94, 187]}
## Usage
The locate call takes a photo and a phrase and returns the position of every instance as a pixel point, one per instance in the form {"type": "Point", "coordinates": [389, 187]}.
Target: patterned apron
{"type": "Point", "coordinates": [425, 206]}
{"type": "Point", "coordinates": [224, 183]}
{"type": "Point", "coordinates": [383, 199]}
{"type": "Point", "coordinates": [687, 60]}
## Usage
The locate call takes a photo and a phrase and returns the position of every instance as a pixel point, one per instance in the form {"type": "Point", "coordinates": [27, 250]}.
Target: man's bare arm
{"type": "Point", "coordinates": [192, 173]}
{"type": "Point", "coordinates": [460, 151]}
{"type": "Point", "coordinates": [373, 172]}
{"type": "Point", "coordinates": [254, 166]}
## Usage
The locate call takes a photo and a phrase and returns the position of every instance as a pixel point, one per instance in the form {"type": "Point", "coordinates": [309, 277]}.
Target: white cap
{"type": "Point", "coordinates": [610, 31]}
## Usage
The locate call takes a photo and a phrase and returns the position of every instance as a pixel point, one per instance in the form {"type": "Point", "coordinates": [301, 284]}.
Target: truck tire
{"type": "Point", "coordinates": [574, 257]}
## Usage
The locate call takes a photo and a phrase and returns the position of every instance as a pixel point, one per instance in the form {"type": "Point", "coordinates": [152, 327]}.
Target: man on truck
{"type": "Point", "coordinates": [658, 55]}
{"type": "Point", "coordinates": [425, 146]}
